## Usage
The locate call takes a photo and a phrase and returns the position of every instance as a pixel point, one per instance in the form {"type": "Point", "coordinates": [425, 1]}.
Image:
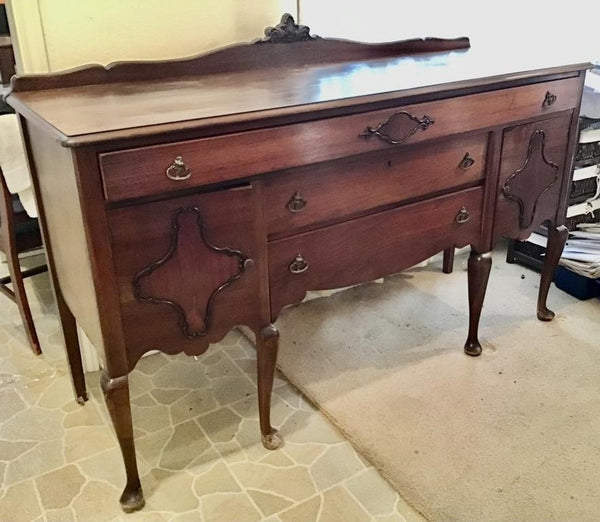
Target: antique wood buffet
{"type": "Point", "coordinates": [180, 199]}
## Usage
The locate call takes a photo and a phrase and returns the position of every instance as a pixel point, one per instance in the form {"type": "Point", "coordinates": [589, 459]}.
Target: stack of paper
{"type": "Point", "coordinates": [582, 250]}
{"type": "Point", "coordinates": [590, 103]}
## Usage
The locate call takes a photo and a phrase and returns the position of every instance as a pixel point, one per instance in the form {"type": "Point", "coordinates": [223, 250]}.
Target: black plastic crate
{"type": "Point", "coordinates": [572, 222]}
{"type": "Point", "coordinates": [588, 153]}
{"type": "Point", "coordinates": [582, 190]}
{"type": "Point", "coordinates": [526, 254]}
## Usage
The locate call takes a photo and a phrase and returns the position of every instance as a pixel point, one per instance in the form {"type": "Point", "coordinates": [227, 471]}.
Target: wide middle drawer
{"type": "Point", "coordinates": [335, 190]}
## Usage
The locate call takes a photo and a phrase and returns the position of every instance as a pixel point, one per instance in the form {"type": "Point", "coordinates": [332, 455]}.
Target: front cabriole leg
{"type": "Point", "coordinates": [479, 266]}
{"type": "Point", "coordinates": [267, 345]}
{"type": "Point", "coordinates": [557, 236]}
{"type": "Point", "coordinates": [116, 394]}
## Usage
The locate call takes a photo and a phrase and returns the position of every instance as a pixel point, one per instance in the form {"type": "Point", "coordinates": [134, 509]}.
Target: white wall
{"type": "Point", "coordinates": [500, 27]}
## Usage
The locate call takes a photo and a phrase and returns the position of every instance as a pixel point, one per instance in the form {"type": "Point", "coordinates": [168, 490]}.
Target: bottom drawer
{"type": "Point", "coordinates": [372, 246]}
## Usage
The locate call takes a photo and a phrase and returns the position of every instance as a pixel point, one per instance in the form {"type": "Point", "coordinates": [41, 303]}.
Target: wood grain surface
{"type": "Point", "coordinates": [367, 248]}
{"type": "Point", "coordinates": [141, 171]}
{"type": "Point", "coordinates": [342, 189]}
{"type": "Point", "coordinates": [368, 139]}
{"type": "Point", "coordinates": [198, 101]}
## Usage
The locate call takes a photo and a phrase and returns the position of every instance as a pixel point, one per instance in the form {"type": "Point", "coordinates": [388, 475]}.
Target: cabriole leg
{"type": "Point", "coordinates": [478, 272]}
{"type": "Point", "coordinates": [116, 394]}
{"type": "Point", "coordinates": [267, 344]}
{"type": "Point", "coordinates": [557, 236]}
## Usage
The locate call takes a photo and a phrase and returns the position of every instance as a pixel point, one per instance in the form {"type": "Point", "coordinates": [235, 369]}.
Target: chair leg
{"type": "Point", "coordinates": [14, 269]}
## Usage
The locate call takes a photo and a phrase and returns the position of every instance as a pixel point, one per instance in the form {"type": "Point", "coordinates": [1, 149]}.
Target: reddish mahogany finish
{"type": "Point", "coordinates": [338, 255]}
{"type": "Point", "coordinates": [143, 234]}
{"type": "Point", "coordinates": [179, 199]}
{"type": "Point", "coordinates": [532, 167]}
{"type": "Point", "coordinates": [479, 267]}
{"type": "Point", "coordinates": [370, 181]}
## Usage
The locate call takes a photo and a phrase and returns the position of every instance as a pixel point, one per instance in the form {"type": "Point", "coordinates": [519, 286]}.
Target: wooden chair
{"type": "Point", "coordinates": [18, 233]}
{"type": "Point", "coordinates": [7, 56]}
{"type": "Point", "coordinates": [7, 60]}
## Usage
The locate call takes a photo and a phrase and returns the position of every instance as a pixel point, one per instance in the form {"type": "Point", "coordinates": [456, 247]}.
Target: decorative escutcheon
{"type": "Point", "coordinates": [297, 203]}
{"type": "Point", "coordinates": [178, 171]}
{"type": "Point", "coordinates": [467, 162]}
{"type": "Point", "coordinates": [299, 265]}
{"type": "Point", "coordinates": [549, 99]}
{"type": "Point", "coordinates": [398, 127]}
{"type": "Point", "coordinates": [462, 216]}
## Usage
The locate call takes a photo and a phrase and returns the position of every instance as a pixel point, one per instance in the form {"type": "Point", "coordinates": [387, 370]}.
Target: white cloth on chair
{"type": "Point", "coordinates": [13, 164]}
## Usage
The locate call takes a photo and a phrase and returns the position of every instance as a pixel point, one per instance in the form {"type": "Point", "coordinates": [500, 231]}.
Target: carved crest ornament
{"type": "Point", "coordinates": [287, 31]}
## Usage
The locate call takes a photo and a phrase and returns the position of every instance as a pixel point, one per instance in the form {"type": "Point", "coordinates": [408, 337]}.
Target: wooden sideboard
{"type": "Point", "coordinates": [180, 199]}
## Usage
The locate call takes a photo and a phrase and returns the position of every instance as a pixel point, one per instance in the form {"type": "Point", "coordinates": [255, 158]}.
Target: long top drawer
{"type": "Point", "coordinates": [158, 169]}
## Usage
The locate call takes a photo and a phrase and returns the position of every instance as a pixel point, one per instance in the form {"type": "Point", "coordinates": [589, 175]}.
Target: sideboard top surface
{"type": "Point", "coordinates": [103, 111]}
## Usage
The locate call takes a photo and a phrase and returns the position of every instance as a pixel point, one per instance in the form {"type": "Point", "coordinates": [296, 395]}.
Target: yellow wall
{"type": "Point", "coordinates": [52, 35]}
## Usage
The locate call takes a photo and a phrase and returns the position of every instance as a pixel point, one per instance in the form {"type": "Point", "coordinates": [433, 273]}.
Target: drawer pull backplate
{"type": "Point", "coordinates": [178, 170]}
{"type": "Point", "coordinates": [398, 127]}
{"type": "Point", "coordinates": [299, 265]}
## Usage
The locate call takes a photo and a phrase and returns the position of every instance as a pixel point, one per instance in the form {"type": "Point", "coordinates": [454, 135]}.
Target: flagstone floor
{"type": "Point", "coordinates": [197, 437]}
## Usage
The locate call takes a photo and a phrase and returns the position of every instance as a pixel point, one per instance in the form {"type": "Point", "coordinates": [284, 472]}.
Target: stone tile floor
{"type": "Point", "coordinates": [197, 436]}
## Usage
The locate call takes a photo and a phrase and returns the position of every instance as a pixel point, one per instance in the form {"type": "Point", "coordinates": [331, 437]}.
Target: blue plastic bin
{"type": "Point", "coordinates": [577, 285]}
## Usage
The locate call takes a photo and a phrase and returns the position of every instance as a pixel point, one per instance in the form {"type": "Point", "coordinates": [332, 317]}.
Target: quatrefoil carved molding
{"type": "Point", "coordinates": [179, 284]}
{"type": "Point", "coordinates": [532, 180]}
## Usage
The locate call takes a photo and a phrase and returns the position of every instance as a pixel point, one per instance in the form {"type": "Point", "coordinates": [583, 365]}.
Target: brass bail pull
{"type": "Point", "coordinates": [462, 216]}
{"type": "Point", "coordinates": [299, 265]}
{"type": "Point", "coordinates": [467, 162]}
{"type": "Point", "coordinates": [297, 203]}
{"type": "Point", "coordinates": [549, 99]}
{"type": "Point", "coordinates": [178, 170]}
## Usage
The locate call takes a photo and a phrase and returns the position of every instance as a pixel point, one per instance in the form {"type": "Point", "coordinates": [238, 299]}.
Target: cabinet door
{"type": "Point", "coordinates": [532, 172]}
{"type": "Point", "coordinates": [187, 270]}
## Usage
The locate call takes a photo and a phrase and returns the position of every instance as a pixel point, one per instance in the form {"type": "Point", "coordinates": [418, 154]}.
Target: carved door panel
{"type": "Point", "coordinates": [532, 171]}
{"type": "Point", "coordinates": [187, 270]}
